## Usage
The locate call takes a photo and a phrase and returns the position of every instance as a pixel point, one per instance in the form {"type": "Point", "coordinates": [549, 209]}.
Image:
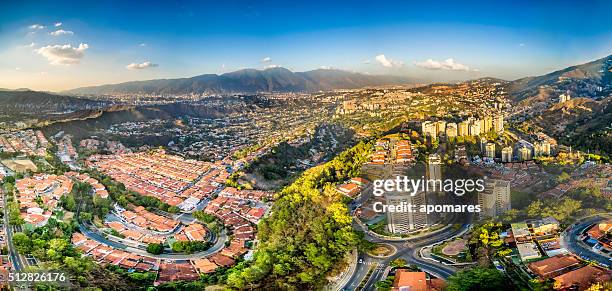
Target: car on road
{"type": "Point", "coordinates": [499, 267]}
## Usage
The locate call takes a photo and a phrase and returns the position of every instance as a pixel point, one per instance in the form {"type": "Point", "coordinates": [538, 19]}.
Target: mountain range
{"type": "Point", "coordinates": [592, 79]}
{"type": "Point", "coordinates": [248, 81]}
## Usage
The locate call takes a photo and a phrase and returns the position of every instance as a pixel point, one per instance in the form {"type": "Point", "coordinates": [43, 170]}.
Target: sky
{"type": "Point", "coordinates": [59, 45]}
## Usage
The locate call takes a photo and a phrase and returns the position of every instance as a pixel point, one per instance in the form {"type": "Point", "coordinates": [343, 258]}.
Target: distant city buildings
{"type": "Point", "coordinates": [474, 129]}
{"type": "Point", "coordinates": [498, 123]}
{"type": "Point", "coordinates": [542, 148]}
{"type": "Point", "coordinates": [451, 130]}
{"type": "Point", "coordinates": [564, 98]}
{"type": "Point", "coordinates": [524, 153]}
{"type": "Point", "coordinates": [469, 127]}
{"type": "Point", "coordinates": [506, 154]}
{"type": "Point", "coordinates": [490, 150]}
{"type": "Point", "coordinates": [495, 199]}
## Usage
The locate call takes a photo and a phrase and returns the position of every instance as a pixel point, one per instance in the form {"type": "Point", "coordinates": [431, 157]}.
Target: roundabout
{"type": "Point", "coordinates": [382, 250]}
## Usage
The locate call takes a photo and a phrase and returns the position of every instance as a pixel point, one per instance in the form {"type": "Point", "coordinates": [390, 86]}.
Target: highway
{"type": "Point", "coordinates": [570, 241]}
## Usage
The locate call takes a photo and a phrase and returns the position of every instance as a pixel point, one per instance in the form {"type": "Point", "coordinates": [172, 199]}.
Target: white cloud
{"type": "Point", "coordinates": [521, 44]}
{"type": "Point", "coordinates": [387, 62]}
{"type": "Point", "coordinates": [63, 54]}
{"type": "Point", "coordinates": [448, 64]}
{"type": "Point", "coordinates": [142, 44]}
{"type": "Point", "coordinates": [270, 66]}
{"type": "Point", "coordinates": [57, 24]}
{"type": "Point", "coordinates": [145, 65]}
{"type": "Point", "coordinates": [266, 60]}
{"type": "Point", "coordinates": [61, 32]}
{"type": "Point", "coordinates": [36, 26]}
{"type": "Point", "coordinates": [18, 69]}
{"type": "Point", "coordinates": [30, 45]}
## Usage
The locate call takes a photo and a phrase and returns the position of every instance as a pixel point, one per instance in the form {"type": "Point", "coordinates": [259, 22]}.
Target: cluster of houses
{"type": "Point", "coordinates": [39, 195]}
{"type": "Point", "coordinates": [568, 272]}
{"type": "Point", "coordinates": [538, 246]}
{"type": "Point", "coordinates": [235, 209]}
{"type": "Point", "coordinates": [135, 234]}
{"type": "Point", "coordinates": [391, 150]}
{"type": "Point", "coordinates": [154, 173]}
{"type": "Point", "coordinates": [599, 237]}
{"type": "Point", "coordinates": [530, 236]}
{"type": "Point", "coordinates": [252, 195]}
{"type": "Point", "coordinates": [191, 232]}
{"type": "Point", "coordinates": [105, 254]}
{"type": "Point", "coordinates": [98, 188]}
{"type": "Point", "coordinates": [66, 151]}
{"type": "Point", "coordinates": [144, 219]}
{"type": "Point", "coordinates": [29, 142]}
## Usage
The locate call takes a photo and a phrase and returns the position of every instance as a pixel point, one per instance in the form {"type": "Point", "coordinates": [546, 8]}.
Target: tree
{"type": "Point", "coordinates": [155, 249]}
{"type": "Point", "coordinates": [477, 278]}
{"type": "Point", "coordinates": [399, 262]}
{"type": "Point", "coordinates": [308, 232]}
{"type": "Point", "coordinates": [85, 216]}
{"type": "Point", "coordinates": [563, 177]}
{"type": "Point", "coordinates": [14, 214]}
{"type": "Point", "coordinates": [22, 242]}
{"type": "Point", "coordinates": [534, 209]}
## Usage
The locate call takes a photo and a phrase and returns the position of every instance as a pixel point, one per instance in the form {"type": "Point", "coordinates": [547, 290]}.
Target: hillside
{"type": "Point", "coordinates": [593, 80]}
{"type": "Point", "coordinates": [31, 107]}
{"type": "Point", "coordinates": [248, 81]}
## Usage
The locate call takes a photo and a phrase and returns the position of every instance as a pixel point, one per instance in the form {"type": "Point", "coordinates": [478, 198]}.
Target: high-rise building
{"type": "Point", "coordinates": [451, 129]}
{"type": "Point", "coordinates": [545, 145]}
{"type": "Point", "coordinates": [402, 222]}
{"type": "Point", "coordinates": [434, 167]}
{"type": "Point", "coordinates": [490, 150]}
{"type": "Point", "coordinates": [495, 199]}
{"type": "Point", "coordinates": [542, 148]}
{"type": "Point", "coordinates": [475, 128]}
{"type": "Point", "coordinates": [524, 153]}
{"type": "Point", "coordinates": [463, 129]}
{"type": "Point", "coordinates": [507, 154]}
{"type": "Point", "coordinates": [488, 123]}
{"type": "Point", "coordinates": [440, 127]}
{"type": "Point", "coordinates": [564, 98]}
{"type": "Point", "coordinates": [498, 123]}
{"type": "Point", "coordinates": [429, 128]}
{"type": "Point", "coordinates": [481, 122]}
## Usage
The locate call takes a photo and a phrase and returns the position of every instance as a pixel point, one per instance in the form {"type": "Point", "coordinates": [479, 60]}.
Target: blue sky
{"type": "Point", "coordinates": [113, 41]}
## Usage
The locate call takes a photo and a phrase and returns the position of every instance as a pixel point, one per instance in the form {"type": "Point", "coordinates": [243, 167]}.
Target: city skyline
{"type": "Point", "coordinates": [50, 46]}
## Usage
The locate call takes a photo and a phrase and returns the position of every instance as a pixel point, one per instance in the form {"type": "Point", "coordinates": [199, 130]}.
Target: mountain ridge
{"type": "Point", "coordinates": [276, 79]}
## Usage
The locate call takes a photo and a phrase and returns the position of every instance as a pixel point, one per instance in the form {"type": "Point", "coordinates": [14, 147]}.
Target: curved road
{"type": "Point", "coordinates": [569, 239]}
{"type": "Point", "coordinates": [218, 246]}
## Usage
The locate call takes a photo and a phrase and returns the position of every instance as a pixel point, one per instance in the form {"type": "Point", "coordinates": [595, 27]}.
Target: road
{"type": "Point", "coordinates": [18, 260]}
{"type": "Point", "coordinates": [218, 246]}
{"type": "Point", "coordinates": [570, 241]}
{"type": "Point", "coordinates": [407, 250]}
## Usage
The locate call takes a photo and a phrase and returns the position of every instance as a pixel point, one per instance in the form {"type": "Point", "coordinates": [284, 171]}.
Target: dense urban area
{"type": "Point", "coordinates": [275, 190]}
